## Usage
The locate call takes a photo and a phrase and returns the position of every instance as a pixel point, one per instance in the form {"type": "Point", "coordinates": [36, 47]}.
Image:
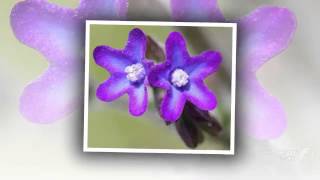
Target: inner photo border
{"type": "Point", "coordinates": [164, 151]}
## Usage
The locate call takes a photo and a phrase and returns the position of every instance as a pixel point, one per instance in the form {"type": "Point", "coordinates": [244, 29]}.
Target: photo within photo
{"type": "Point", "coordinates": [160, 87]}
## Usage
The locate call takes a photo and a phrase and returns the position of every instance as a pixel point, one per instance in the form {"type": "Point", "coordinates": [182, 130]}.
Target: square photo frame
{"type": "Point", "coordinates": [111, 127]}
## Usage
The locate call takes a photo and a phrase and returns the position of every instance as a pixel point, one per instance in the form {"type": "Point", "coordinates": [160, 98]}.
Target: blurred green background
{"type": "Point", "coordinates": [111, 126]}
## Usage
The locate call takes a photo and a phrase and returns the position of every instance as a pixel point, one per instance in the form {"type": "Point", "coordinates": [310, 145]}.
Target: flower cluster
{"type": "Point", "coordinates": [57, 33]}
{"type": "Point", "coordinates": [180, 76]}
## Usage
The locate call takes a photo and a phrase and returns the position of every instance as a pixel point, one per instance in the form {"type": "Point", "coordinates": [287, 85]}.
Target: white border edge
{"type": "Point", "coordinates": [233, 86]}
{"type": "Point", "coordinates": [231, 151]}
{"type": "Point", "coordinates": [86, 86]}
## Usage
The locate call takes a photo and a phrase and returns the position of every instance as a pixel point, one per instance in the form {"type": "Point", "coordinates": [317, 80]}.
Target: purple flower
{"type": "Point", "coordinates": [129, 69]}
{"type": "Point", "coordinates": [263, 34]}
{"type": "Point", "coordinates": [182, 77]}
{"type": "Point", "coordinates": [58, 34]}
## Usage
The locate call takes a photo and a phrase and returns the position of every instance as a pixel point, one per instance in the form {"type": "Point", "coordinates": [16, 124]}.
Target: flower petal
{"type": "Point", "coordinates": [262, 114]}
{"type": "Point", "coordinates": [200, 95]}
{"type": "Point", "coordinates": [176, 49]}
{"type": "Point", "coordinates": [113, 88]}
{"type": "Point", "coordinates": [199, 67]}
{"type": "Point", "coordinates": [138, 100]}
{"type": "Point", "coordinates": [136, 46]}
{"type": "Point", "coordinates": [52, 96]}
{"type": "Point", "coordinates": [172, 105]}
{"type": "Point", "coordinates": [111, 59]}
{"type": "Point", "coordinates": [263, 34]}
{"type": "Point", "coordinates": [103, 9]}
{"type": "Point", "coordinates": [50, 29]}
{"type": "Point", "coordinates": [158, 76]}
{"type": "Point", "coordinates": [196, 10]}
{"type": "Point", "coordinates": [147, 64]}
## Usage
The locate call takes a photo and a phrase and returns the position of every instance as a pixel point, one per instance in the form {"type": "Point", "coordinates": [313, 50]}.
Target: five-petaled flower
{"type": "Point", "coordinates": [182, 77]}
{"type": "Point", "coordinates": [128, 69]}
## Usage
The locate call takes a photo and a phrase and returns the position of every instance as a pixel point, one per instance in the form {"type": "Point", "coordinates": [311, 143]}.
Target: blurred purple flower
{"type": "Point", "coordinates": [182, 77]}
{"type": "Point", "coordinates": [128, 69]}
{"type": "Point", "coordinates": [58, 34]}
{"type": "Point", "coordinates": [263, 33]}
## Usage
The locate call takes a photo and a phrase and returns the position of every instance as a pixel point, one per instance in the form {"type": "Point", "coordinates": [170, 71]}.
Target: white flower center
{"type": "Point", "coordinates": [179, 78]}
{"type": "Point", "coordinates": [135, 72]}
